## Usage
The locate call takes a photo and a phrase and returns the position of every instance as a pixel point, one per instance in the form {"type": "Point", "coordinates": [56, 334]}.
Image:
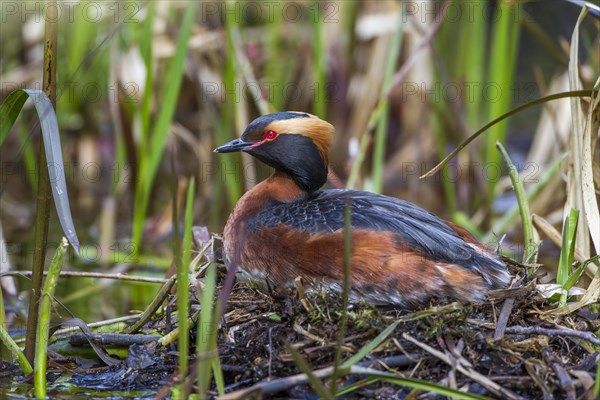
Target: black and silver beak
{"type": "Point", "coordinates": [233, 146]}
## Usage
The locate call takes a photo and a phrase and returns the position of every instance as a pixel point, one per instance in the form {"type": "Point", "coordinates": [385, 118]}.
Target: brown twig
{"type": "Point", "coordinates": [276, 386]}
{"type": "Point", "coordinates": [111, 321]}
{"type": "Point", "coordinates": [98, 275]}
{"type": "Point", "coordinates": [564, 380]}
{"type": "Point", "coordinates": [536, 370]}
{"type": "Point", "coordinates": [503, 319]}
{"type": "Point", "coordinates": [153, 306]}
{"type": "Point", "coordinates": [111, 339]}
{"type": "Point", "coordinates": [536, 330]}
{"type": "Point", "coordinates": [464, 366]}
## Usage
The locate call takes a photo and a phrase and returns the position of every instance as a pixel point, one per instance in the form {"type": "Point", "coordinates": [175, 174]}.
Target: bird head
{"type": "Point", "coordinates": [294, 143]}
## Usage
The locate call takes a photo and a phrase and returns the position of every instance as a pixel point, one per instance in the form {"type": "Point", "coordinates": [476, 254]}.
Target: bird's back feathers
{"type": "Point", "coordinates": [418, 229]}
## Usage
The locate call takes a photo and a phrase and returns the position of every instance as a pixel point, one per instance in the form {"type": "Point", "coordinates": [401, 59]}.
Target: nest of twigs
{"type": "Point", "coordinates": [505, 348]}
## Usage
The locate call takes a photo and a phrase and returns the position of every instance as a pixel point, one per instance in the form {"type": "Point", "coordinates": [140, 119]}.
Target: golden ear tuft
{"type": "Point", "coordinates": [321, 132]}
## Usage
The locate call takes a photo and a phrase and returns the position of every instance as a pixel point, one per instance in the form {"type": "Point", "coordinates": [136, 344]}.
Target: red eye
{"type": "Point", "coordinates": [270, 135]}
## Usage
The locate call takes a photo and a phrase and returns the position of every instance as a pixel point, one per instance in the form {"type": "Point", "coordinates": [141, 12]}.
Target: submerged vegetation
{"type": "Point", "coordinates": [132, 97]}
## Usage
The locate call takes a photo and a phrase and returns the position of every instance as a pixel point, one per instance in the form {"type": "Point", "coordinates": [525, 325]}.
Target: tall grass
{"type": "Point", "coordinates": [319, 63]}
{"type": "Point", "coordinates": [501, 73]}
{"type": "Point", "coordinates": [9, 345]}
{"type": "Point", "coordinates": [183, 270]}
{"type": "Point", "coordinates": [278, 70]}
{"type": "Point", "coordinates": [155, 135]}
{"type": "Point", "coordinates": [43, 326]}
{"type": "Point", "coordinates": [460, 50]}
{"type": "Point", "coordinates": [345, 295]}
{"type": "Point", "coordinates": [29, 159]}
{"type": "Point", "coordinates": [226, 183]}
{"type": "Point", "coordinates": [206, 328]}
{"type": "Point", "coordinates": [470, 58]}
{"type": "Point", "coordinates": [381, 132]}
{"type": "Point", "coordinates": [42, 221]}
{"type": "Point", "coordinates": [530, 246]}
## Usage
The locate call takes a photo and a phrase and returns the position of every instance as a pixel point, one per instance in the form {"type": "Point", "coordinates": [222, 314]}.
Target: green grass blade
{"type": "Point", "coordinates": [28, 155]}
{"type": "Point", "coordinates": [568, 246]}
{"type": "Point", "coordinates": [214, 349]}
{"type": "Point", "coordinates": [10, 344]}
{"type": "Point", "coordinates": [345, 294]}
{"type": "Point", "coordinates": [183, 281]}
{"type": "Point", "coordinates": [541, 100]}
{"type": "Point", "coordinates": [174, 334]}
{"type": "Point", "coordinates": [226, 126]}
{"type": "Point", "coordinates": [82, 32]}
{"type": "Point", "coordinates": [575, 275]}
{"type": "Point", "coordinates": [369, 347]}
{"type": "Point", "coordinates": [382, 126]}
{"type": "Point", "coordinates": [171, 91]}
{"type": "Point", "coordinates": [10, 110]}
{"type": "Point", "coordinates": [319, 63]}
{"type": "Point", "coordinates": [273, 68]}
{"type": "Point", "coordinates": [503, 224]}
{"type": "Point", "coordinates": [43, 327]}
{"type": "Point", "coordinates": [355, 386]}
{"type": "Point", "coordinates": [273, 63]}
{"type": "Point", "coordinates": [230, 183]}
{"type": "Point", "coordinates": [44, 187]}
{"type": "Point", "coordinates": [417, 384]}
{"type": "Point", "coordinates": [575, 187]}
{"type": "Point", "coordinates": [568, 250]}
{"type": "Point", "coordinates": [149, 166]}
{"type": "Point", "coordinates": [459, 54]}
{"type": "Point", "coordinates": [471, 61]}
{"type": "Point", "coordinates": [51, 136]}
{"type": "Point", "coordinates": [501, 71]}
{"type": "Point", "coordinates": [316, 384]}
{"type": "Point", "coordinates": [146, 52]}
{"type": "Point", "coordinates": [182, 285]}
{"type": "Point", "coordinates": [376, 376]}
{"type": "Point", "coordinates": [205, 328]}
{"type": "Point", "coordinates": [464, 220]}
{"type": "Point", "coordinates": [438, 128]}
{"type": "Point", "coordinates": [364, 143]}
{"type": "Point", "coordinates": [530, 250]}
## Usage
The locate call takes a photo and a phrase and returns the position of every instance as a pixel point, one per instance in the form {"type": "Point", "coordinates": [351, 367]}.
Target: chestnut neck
{"type": "Point", "coordinates": [281, 187]}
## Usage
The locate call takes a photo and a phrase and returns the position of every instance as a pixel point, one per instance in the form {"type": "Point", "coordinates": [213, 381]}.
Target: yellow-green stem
{"type": "Point", "coordinates": [44, 194]}
{"type": "Point", "coordinates": [530, 251]}
{"type": "Point", "coordinates": [11, 346]}
{"type": "Point", "coordinates": [43, 327]}
{"type": "Point", "coordinates": [205, 329]}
